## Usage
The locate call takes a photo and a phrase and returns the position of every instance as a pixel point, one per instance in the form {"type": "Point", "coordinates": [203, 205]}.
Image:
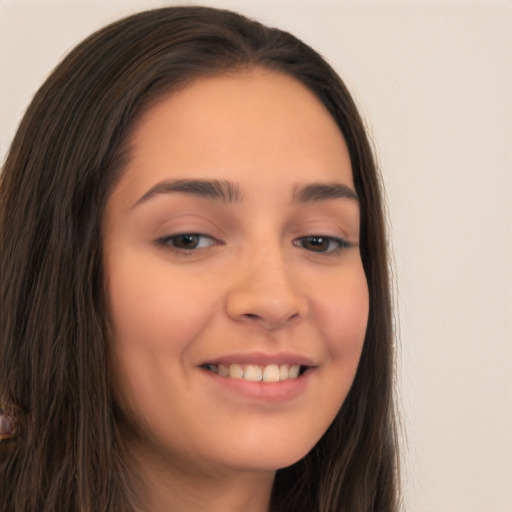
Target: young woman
{"type": "Point", "coordinates": [195, 299]}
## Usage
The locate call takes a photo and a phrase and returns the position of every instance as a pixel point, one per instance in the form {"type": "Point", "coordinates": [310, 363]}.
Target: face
{"type": "Point", "coordinates": [237, 295]}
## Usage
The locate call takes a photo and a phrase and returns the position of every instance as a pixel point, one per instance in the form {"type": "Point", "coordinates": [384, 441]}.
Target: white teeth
{"type": "Point", "coordinates": [256, 373]}
{"type": "Point", "coordinates": [271, 373]}
{"type": "Point", "coordinates": [253, 373]}
{"type": "Point", "coordinates": [294, 371]}
{"type": "Point", "coordinates": [283, 372]}
{"type": "Point", "coordinates": [236, 371]}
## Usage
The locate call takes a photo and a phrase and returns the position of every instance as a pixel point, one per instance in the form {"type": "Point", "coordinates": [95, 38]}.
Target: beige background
{"type": "Point", "coordinates": [434, 80]}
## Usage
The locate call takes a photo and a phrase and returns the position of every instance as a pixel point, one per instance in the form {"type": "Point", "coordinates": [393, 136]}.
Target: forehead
{"type": "Point", "coordinates": [247, 126]}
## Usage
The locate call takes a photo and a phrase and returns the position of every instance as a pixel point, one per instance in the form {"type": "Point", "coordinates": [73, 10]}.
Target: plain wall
{"type": "Point", "coordinates": [434, 80]}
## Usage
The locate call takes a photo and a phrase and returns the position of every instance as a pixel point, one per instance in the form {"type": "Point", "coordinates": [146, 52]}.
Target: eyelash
{"type": "Point", "coordinates": [170, 242]}
{"type": "Point", "coordinates": [340, 244]}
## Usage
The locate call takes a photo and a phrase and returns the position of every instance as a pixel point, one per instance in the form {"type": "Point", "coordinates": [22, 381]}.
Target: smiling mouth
{"type": "Point", "coordinates": [257, 373]}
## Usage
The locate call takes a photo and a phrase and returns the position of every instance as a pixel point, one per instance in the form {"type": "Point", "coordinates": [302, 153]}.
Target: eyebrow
{"type": "Point", "coordinates": [323, 191]}
{"type": "Point", "coordinates": [229, 192]}
{"type": "Point", "coordinates": [213, 189]}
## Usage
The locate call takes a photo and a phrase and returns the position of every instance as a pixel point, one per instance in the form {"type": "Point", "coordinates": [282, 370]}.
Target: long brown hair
{"type": "Point", "coordinates": [54, 351]}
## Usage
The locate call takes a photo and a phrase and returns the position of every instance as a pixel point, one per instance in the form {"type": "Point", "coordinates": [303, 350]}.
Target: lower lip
{"type": "Point", "coordinates": [272, 392]}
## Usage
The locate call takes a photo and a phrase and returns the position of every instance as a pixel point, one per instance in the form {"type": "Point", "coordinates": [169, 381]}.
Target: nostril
{"type": "Point", "coordinates": [252, 316]}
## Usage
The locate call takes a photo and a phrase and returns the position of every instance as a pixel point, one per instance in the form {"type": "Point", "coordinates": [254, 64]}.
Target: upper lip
{"type": "Point", "coordinates": [261, 359]}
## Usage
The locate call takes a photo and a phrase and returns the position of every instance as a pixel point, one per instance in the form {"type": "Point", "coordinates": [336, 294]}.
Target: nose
{"type": "Point", "coordinates": [265, 294]}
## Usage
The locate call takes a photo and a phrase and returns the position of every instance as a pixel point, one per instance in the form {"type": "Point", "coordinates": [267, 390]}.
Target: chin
{"type": "Point", "coordinates": [267, 457]}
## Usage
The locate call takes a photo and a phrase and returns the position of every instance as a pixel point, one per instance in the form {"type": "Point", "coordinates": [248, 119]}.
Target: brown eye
{"type": "Point", "coordinates": [316, 243]}
{"type": "Point", "coordinates": [187, 241]}
{"type": "Point", "coordinates": [320, 243]}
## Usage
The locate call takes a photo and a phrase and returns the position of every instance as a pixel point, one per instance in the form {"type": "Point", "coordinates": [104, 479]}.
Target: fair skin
{"type": "Point", "coordinates": [259, 276]}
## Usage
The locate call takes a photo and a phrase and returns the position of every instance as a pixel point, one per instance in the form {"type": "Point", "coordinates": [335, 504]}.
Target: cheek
{"type": "Point", "coordinates": [343, 315]}
{"type": "Point", "coordinates": [155, 319]}
{"type": "Point", "coordinates": [152, 310]}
